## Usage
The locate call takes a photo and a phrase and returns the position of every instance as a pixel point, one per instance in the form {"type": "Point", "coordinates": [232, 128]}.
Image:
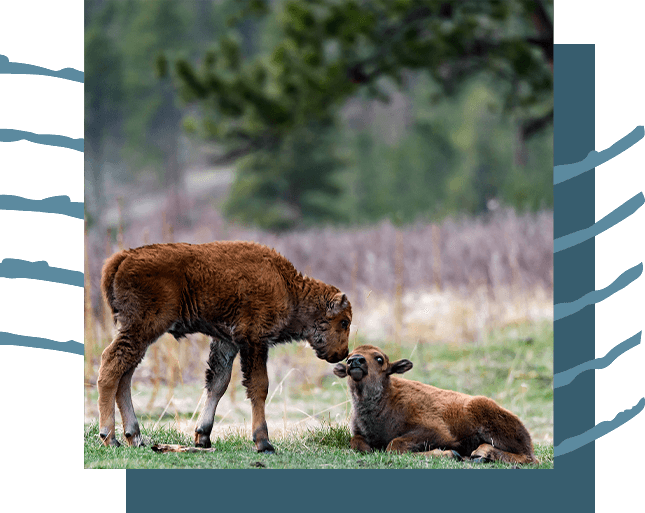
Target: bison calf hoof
{"type": "Point", "coordinates": [265, 446]}
{"type": "Point", "coordinates": [108, 438]}
{"type": "Point", "coordinates": [134, 440]}
{"type": "Point", "coordinates": [481, 459]}
{"type": "Point", "coordinates": [202, 440]}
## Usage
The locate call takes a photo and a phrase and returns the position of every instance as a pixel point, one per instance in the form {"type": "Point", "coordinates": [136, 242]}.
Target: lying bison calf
{"type": "Point", "coordinates": [247, 297]}
{"type": "Point", "coordinates": [400, 415]}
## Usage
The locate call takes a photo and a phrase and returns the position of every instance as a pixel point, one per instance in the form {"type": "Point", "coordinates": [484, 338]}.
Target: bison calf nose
{"type": "Point", "coordinates": [356, 361]}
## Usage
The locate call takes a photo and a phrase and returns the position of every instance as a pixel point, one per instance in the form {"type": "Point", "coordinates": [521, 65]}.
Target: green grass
{"type": "Point", "coordinates": [513, 366]}
{"type": "Point", "coordinates": [324, 447]}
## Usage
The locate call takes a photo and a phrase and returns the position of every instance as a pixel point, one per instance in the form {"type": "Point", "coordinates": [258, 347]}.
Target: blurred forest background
{"type": "Point", "coordinates": [401, 150]}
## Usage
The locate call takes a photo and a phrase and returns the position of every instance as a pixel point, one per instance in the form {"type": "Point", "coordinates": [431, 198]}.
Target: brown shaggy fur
{"type": "Point", "coordinates": [400, 415]}
{"type": "Point", "coordinates": [245, 296]}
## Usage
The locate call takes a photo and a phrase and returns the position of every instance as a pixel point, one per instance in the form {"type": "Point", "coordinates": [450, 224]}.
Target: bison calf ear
{"type": "Point", "coordinates": [338, 303]}
{"type": "Point", "coordinates": [399, 367]}
{"type": "Point", "coordinates": [340, 370]}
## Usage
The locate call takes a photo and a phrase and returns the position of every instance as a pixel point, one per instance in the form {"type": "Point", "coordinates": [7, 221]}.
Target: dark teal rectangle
{"type": "Point", "coordinates": [569, 487]}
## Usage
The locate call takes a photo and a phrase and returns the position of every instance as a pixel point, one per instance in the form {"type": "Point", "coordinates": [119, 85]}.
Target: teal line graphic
{"type": "Point", "coordinates": [18, 68]}
{"type": "Point", "coordinates": [564, 378]}
{"type": "Point", "coordinates": [600, 429]}
{"type": "Point", "coordinates": [611, 219]}
{"type": "Point", "coordinates": [54, 205]}
{"type": "Point", "coordinates": [71, 346]}
{"type": "Point", "coordinates": [560, 174]}
{"type": "Point", "coordinates": [565, 309]}
{"type": "Point", "coordinates": [594, 159]}
{"type": "Point", "coordinates": [9, 135]}
{"type": "Point", "coordinates": [14, 268]}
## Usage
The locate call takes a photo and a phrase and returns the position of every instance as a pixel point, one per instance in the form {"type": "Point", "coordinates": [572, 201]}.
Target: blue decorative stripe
{"type": "Point", "coordinates": [54, 205]}
{"type": "Point", "coordinates": [71, 346]}
{"type": "Point", "coordinates": [9, 135]}
{"type": "Point", "coordinates": [18, 68]}
{"type": "Point", "coordinates": [15, 268]}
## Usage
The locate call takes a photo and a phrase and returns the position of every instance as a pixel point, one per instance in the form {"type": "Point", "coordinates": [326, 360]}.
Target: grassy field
{"type": "Point", "coordinates": [308, 407]}
{"type": "Point", "coordinates": [313, 448]}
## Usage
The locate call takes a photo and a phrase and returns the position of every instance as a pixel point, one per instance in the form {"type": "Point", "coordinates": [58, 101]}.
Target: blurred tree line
{"type": "Point", "coordinates": [340, 111]}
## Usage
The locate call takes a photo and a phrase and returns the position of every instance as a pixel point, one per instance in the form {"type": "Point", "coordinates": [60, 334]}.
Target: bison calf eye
{"type": "Point", "coordinates": [379, 360]}
{"type": "Point", "coordinates": [344, 324]}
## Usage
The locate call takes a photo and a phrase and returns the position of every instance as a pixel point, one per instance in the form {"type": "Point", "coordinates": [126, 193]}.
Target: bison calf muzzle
{"type": "Point", "coordinates": [245, 296]}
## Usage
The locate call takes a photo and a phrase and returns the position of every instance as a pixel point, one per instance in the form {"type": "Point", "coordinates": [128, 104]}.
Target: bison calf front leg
{"type": "Point", "coordinates": [421, 440]}
{"type": "Point", "coordinates": [218, 376]}
{"type": "Point", "coordinates": [256, 381]}
{"type": "Point", "coordinates": [358, 443]}
{"type": "Point", "coordinates": [124, 402]}
{"type": "Point", "coordinates": [403, 444]}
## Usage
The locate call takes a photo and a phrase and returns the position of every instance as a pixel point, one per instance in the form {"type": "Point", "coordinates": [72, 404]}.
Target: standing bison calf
{"type": "Point", "coordinates": [245, 296]}
{"type": "Point", "coordinates": [400, 415]}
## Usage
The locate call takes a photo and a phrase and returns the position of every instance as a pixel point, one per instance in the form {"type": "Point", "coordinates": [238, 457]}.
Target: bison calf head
{"type": "Point", "coordinates": [370, 363]}
{"type": "Point", "coordinates": [330, 337]}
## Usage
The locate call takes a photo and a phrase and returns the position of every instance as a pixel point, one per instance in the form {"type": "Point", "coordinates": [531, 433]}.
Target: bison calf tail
{"type": "Point", "coordinates": [107, 279]}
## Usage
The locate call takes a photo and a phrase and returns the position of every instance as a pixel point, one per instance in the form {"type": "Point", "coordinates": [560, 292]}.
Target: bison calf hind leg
{"type": "Point", "coordinates": [118, 362]}
{"type": "Point", "coordinates": [503, 435]}
{"type": "Point", "coordinates": [218, 376]}
{"type": "Point", "coordinates": [486, 452]}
